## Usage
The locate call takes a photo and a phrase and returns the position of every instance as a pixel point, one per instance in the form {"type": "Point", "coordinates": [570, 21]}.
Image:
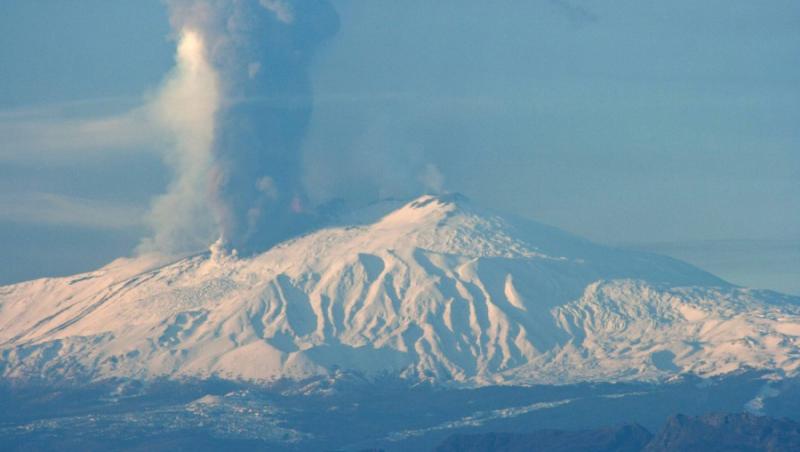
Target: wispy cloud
{"type": "Point", "coordinates": [55, 138]}
{"type": "Point", "coordinates": [62, 210]}
{"type": "Point", "coordinates": [176, 122]}
{"type": "Point", "coordinates": [90, 106]}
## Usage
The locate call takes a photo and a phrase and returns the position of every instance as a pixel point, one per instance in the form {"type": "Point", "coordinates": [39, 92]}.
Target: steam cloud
{"type": "Point", "coordinates": [186, 108]}
{"type": "Point", "coordinates": [237, 106]}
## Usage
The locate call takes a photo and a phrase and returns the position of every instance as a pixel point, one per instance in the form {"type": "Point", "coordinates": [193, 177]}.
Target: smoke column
{"type": "Point", "coordinates": [184, 111]}
{"type": "Point", "coordinates": [240, 158]}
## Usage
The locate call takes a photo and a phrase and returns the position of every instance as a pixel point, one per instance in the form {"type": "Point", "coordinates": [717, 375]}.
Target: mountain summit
{"type": "Point", "coordinates": [437, 289]}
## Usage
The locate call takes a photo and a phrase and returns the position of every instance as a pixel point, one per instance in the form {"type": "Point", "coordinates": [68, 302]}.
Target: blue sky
{"type": "Point", "coordinates": [622, 121]}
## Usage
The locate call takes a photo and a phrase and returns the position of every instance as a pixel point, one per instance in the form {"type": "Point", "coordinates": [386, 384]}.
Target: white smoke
{"type": "Point", "coordinates": [234, 164]}
{"type": "Point", "coordinates": [251, 161]}
{"type": "Point", "coordinates": [280, 8]}
{"type": "Point", "coordinates": [185, 107]}
{"type": "Point", "coordinates": [432, 179]}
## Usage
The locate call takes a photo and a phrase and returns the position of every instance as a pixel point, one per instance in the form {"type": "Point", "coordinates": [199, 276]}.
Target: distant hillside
{"type": "Point", "coordinates": [713, 432]}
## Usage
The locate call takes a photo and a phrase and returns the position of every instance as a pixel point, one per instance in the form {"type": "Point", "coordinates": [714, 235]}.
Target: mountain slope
{"type": "Point", "coordinates": [711, 432]}
{"type": "Point", "coordinates": [725, 432]}
{"type": "Point", "coordinates": [625, 438]}
{"type": "Point", "coordinates": [436, 289]}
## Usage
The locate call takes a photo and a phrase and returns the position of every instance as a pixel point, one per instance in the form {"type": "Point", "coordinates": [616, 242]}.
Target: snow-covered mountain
{"type": "Point", "coordinates": [435, 289]}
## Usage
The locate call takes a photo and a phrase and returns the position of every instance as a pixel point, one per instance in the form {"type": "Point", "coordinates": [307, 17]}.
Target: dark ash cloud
{"type": "Point", "coordinates": [259, 50]}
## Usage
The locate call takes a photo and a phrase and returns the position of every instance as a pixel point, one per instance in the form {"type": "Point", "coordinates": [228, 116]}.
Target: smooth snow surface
{"type": "Point", "coordinates": [437, 289]}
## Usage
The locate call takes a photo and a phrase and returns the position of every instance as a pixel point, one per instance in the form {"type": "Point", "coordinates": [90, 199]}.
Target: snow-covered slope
{"type": "Point", "coordinates": [436, 289]}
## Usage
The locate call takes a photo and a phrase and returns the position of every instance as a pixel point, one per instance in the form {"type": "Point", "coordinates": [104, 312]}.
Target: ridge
{"type": "Point", "coordinates": [435, 289]}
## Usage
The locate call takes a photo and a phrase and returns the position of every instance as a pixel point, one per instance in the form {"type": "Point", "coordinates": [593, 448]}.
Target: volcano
{"type": "Point", "coordinates": [436, 289]}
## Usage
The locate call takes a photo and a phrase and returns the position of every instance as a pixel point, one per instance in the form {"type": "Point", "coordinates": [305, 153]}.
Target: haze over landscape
{"type": "Point", "coordinates": [306, 225]}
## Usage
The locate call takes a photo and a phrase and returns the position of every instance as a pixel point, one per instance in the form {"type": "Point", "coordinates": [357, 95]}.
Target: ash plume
{"type": "Point", "coordinates": [240, 160]}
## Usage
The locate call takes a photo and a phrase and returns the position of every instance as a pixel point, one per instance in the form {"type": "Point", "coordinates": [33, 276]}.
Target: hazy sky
{"type": "Point", "coordinates": [623, 121]}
